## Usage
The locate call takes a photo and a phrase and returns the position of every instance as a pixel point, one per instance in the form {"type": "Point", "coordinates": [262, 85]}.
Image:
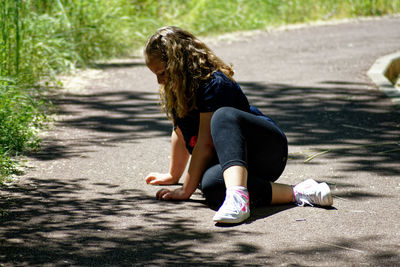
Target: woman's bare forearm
{"type": "Point", "coordinates": [201, 158]}
{"type": "Point", "coordinates": [179, 155]}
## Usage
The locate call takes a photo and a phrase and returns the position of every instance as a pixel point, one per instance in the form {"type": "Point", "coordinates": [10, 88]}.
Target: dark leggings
{"type": "Point", "coordinates": [244, 139]}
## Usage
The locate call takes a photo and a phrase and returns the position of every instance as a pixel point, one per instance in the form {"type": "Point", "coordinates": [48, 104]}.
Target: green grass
{"type": "Point", "coordinates": [204, 17]}
{"type": "Point", "coordinates": [41, 38]}
{"type": "Point", "coordinates": [21, 117]}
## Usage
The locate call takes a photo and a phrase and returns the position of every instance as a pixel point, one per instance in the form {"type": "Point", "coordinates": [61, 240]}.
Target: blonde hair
{"type": "Point", "coordinates": [188, 61]}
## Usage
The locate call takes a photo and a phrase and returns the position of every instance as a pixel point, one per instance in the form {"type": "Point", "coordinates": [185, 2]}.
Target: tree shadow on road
{"type": "Point", "coordinates": [102, 119]}
{"type": "Point", "coordinates": [138, 62]}
{"type": "Point", "coordinates": [49, 223]}
{"type": "Point", "coordinates": [339, 120]}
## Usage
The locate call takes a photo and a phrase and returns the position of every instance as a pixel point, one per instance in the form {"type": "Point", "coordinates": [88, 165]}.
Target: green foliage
{"type": "Point", "coordinates": [40, 38]}
{"type": "Point", "coordinates": [217, 16]}
{"type": "Point", "coordinates": [20, 118]}
{"type": "Point", "coordinates": [207, 16]}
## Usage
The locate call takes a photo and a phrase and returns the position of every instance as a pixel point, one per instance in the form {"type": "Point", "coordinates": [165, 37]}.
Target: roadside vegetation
{"type": "Point", "coordinates": [42, 38]}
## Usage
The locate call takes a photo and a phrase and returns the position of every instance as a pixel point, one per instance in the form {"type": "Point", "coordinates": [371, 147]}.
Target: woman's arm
{"type": "Point", "coordinates": [179, 154]}
{"type": "Point", "coordinates": [202, 154]}
{"type": "Point", "coordinates": [179, 159]}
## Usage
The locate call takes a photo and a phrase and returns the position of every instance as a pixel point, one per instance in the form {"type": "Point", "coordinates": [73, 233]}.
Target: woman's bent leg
{"type": "Point", "coordinates": [213, 186]}
{"type": "Point", "coordinates": [254, 142]}
{"type": "Point", "coordinates": [214, 189]}
{"type": "Point", "coordinates": [258, 145]}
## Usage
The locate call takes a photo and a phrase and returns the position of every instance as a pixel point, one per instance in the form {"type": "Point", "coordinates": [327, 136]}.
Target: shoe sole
{"type": "Point", "coordinates": [238, 220]}
{"type": "Point", "coordinates": [326, 195]}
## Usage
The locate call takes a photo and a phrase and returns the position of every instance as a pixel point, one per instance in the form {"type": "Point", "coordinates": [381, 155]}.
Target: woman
{"type": "Point", "coordinates": [236, 151]}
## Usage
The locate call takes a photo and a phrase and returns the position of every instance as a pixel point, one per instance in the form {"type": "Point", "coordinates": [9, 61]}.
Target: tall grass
{"type": "Point", "coordinates": [40, 38]}
{"type": "Point", "coordinates": [204, 17]}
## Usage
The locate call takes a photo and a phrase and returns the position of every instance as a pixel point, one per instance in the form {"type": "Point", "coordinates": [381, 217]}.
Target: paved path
{"type": "Point", "coordinates": [84, 202]}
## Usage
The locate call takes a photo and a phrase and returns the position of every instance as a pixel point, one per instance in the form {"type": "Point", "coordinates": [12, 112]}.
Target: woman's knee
{"type": "Point", "coordinates": [224, 118]}
{"type": "Point", "coordinates": [223, 114]}
{"type": "Point", "coordinates": [213, 186]}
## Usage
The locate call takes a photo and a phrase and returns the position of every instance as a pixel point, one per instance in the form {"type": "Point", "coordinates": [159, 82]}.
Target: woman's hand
{"type": "Point", "coordinates": [177, 194]}
{"type": "Point", "coordinates": [156, 178]}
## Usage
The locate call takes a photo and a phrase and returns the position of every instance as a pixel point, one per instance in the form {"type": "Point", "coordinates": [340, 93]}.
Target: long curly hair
{"type": "Point", "coordinates": [188, 62]}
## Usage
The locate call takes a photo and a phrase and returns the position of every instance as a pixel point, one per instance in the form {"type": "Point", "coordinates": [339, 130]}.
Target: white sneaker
{"type": "Point", "coordinates": [312, 193]}
{"type": "Point", "coordinates": [235, 208]}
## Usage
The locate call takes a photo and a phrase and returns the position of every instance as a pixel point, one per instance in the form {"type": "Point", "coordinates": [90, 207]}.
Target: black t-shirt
{"type": "Point", "coordinates": [214, 93]}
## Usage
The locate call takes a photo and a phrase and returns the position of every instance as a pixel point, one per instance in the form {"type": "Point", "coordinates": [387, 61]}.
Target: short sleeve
{"type": "Point", "coordinates": [218, 92]}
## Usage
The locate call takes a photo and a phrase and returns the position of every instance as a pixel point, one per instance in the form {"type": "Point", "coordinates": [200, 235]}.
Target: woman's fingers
{"type": "Point", "coordinates": [156, 178]}
{"type": "Point", "coordinates": [151, 176]}
{"type": "Point", "coordinates": [163, 194]}
{"type": "Point", "coordinates": [159, 193]}
{"type": "Point", "coordinates": [156, 181]}
{"type": "Point", "coordinates": [149, 179]}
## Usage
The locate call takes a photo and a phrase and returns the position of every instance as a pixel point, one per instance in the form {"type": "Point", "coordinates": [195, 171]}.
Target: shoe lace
{"type": "Point", "coordinates": [308, 196]}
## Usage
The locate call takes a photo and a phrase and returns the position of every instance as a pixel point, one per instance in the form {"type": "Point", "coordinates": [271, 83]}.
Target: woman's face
{"type": "Point", "coordinates": [159, 69]}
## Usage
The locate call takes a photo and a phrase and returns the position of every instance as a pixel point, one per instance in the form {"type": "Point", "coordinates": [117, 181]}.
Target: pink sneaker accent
{"type": "Point", "coordinates": [235, 208]}
{"type": "Point", "coordinates": [312, 193]}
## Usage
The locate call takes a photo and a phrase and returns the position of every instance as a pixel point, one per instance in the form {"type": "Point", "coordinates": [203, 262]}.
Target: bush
{"type": "Point", "coordinates": [20, 119]}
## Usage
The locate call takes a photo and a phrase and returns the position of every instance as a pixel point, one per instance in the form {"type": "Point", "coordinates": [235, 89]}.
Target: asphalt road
{"type": "Point", "coordinates": [83, 200]}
